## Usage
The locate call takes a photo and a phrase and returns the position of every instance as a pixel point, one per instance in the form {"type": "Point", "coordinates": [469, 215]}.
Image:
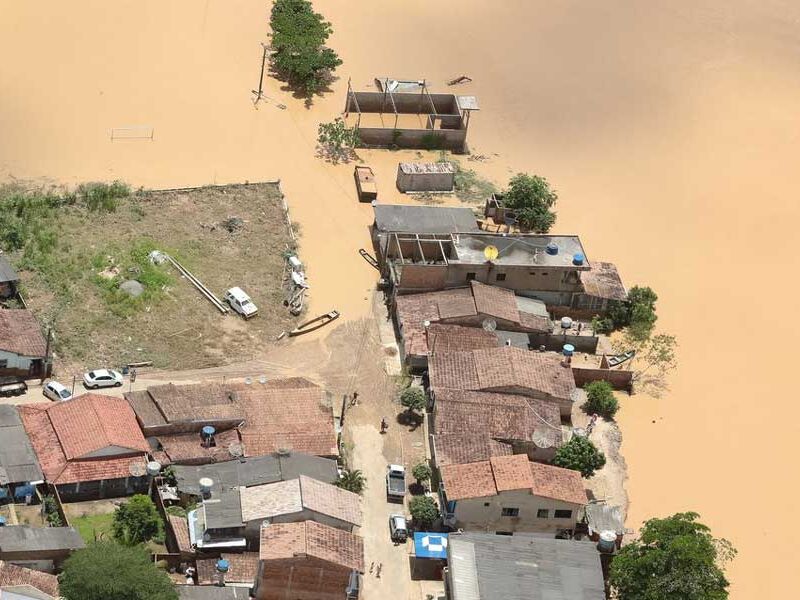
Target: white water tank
{"type": "Point", "coordinates": [566, 323]}
{"type": "Point", "coordinates": [205, 483]}
{"type": "Point", "coordinates": [153, 468]}
{"type": "Point", "coordinates": [608, 541]}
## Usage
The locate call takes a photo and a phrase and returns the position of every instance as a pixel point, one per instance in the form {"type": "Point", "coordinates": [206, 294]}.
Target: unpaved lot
{"type": "Point", "coordinates": [178, 328]}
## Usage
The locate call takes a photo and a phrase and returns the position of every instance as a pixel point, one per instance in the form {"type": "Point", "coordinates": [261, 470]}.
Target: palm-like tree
{"type": "Point", "coordinates": [353, 481]}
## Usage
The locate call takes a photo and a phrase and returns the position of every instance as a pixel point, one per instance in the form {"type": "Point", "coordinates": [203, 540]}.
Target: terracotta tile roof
{"type": "Point", "coordinates": [196, 402]}
{"type": "Point", "coordinates": [188, 448]}
{"type": "Point", "coordinates": [504, 417]}
{"type": "Point", "coordinates": [497, 302]}
{"type": "Point", "coordinates": [297, 418]}
{"type": "Point", "coordinates": [243, 568]}
{"type": "Point", "coordinates": [13, 575]}
{"type": "Point", "coordinates": [330, 500]}
{"type": "Point", "coordinates": [503, 367]}
{"type": "Point", "coordinates": [296, 495]}
{"type": "Point", "coordinates": [180, 528]}
{"type": "Point", "coordinates": [462, 448]}
{"type": "Point", "coordinates": [308, 538]}
{"type": "Point", "coordinates": [512, 472]}
{"type": "Point", "coordinates": [503, 473]}
{"type": "Point", "coordinates": [63, 434]}
{"type": "Point", "coordinates": [472, 480]}
{"type": "Point", "coordinates": [271, 500]}
{"type": "Point", "coordinates": [602, 280]}
{"type": "Point", "coordinates": [557, 483]}
{"type": "Point", "coordinates": [454, 338]}
{"type": "Point", "coordinates": [20, 333]}
{"type": "Point", "coordinates": [92, 422]}
{"type": "Point", "coordinates": [532, 322]}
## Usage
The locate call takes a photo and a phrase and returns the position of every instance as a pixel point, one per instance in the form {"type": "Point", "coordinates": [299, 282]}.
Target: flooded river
{"type": "Point", "coordinates": [670, 129]}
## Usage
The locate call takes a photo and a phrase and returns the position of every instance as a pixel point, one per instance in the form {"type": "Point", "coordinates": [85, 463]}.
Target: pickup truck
{"type": "Point", "coordinates": [395, 483]}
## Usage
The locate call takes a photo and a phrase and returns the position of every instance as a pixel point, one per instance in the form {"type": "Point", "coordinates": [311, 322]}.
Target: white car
{"type": "Point", "coordinates": [102, 378]}
{"type": "Point", "coordinates": [398, 530]}
{"type": "Point", "coordinates": [56, 391]}
{"type": "Point", "coordinates": [240, 302]}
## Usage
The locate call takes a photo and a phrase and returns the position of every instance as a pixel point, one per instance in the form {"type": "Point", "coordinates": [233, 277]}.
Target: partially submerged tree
{"type": "Point", "coordinates": [600, 399]}
{"type": "Point", "coordinates": [655, 357]}
{"type": "Point", "coordinates": [352, 481]}
{"type": "Point", "coordinates": [637, 312]}
{"type": "Point", "coordinates": [298, 44]}
{"type": "Point", "coordinates": [580, 454]}
{"type": "Point", "coordinates": [424, 511]}
{"type": "Point", "coordinates": [675, 558]}
{"type": "Point", "coordinates": [336, 139]}
{"type": "Point", "coordinates": [532, 198]}
{"type": "Point", "coordinates": [136, 521]}
{"type": "Point", "coordinates": [105, 570]}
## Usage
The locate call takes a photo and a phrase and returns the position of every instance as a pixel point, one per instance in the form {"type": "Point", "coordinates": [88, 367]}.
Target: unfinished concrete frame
{"type": "Point", "coordinates": [446, 123]}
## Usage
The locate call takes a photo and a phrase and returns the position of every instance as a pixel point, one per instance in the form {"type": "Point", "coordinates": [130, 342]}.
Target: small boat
{"type": "Point", "coordinates": [614, 361]}
{"type": "Point", "coordinates": [315, 323]}
{"type": "Point", "coordinates": [369, 258]}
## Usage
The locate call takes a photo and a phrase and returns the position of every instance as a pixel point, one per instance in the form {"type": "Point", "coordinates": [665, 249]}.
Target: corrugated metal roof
{"type": "Point", "coordinates": [409, 218]}
{"type": "Point", "coordinates": [523, 566]}
{"type": "Point", "coordinates": [7, 272]}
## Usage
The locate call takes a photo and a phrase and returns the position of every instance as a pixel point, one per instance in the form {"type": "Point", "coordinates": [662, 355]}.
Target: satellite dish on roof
{"type": "Point", "coordinates": [542, 439]}
{"type": "Point", "coordinates": [137, 468]}
{"type": "Point", "coordinates": [489, 324]}
{"type": "Point", "coordinates": [491, 252]}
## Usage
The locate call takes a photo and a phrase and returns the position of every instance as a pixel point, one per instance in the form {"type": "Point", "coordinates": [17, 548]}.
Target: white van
{"type": "Point", "coordinates": [240, 302]}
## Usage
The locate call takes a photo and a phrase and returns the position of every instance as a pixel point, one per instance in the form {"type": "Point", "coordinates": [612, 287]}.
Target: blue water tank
{"type": "Point", "coordinates": [551, 248]}
{"type": "Point", "coordinates": [2, 521]}
{"type": "Point", "coordinates": [578, 259]}
{"type": "Point", "coordinates": [223, 565]}
{"type": "Point", "coordinates": [208, 431]}
{"type": "Point", "coordinates": [568, 350]}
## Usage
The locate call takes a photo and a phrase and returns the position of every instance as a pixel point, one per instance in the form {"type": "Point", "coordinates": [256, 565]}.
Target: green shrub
{"type": "Point", "coordinates": [600, 399]}
{"type": "Point", "coordinates": [413, 398]}
{"type": "Point", "coordinates": [137, 521]}
{"type": "Point", "coordinates": [532, 198]}
{"type": "Point", "coordinates": [580, 454]}
{"type": "Point", "coordinates": [102, 197]}
{"type": "Point", "coordinates": [424, 511]}
{"type": "Point", "coordinates": [422, 472]}
{"type": "Point", "coordinates": [602, 325]}
{"type": "Point", "coordinates": [352, 481]}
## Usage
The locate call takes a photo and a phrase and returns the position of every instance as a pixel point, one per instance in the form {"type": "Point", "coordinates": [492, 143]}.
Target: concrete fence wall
{"type": "Point", "coordinates": [619, 380]}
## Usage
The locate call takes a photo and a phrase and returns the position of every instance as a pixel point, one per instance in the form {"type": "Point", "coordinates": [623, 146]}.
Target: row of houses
{"type": "Point", "coordinates": [481, 317]}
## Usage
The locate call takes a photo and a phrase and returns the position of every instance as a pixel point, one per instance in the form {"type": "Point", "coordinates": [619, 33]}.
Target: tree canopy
{"type": "Point", "coordinates": [532, 198]}
{"type": "Point", "coordinates": [580, 454]}
{"type": "Point", "coordinates": [600, 399]}
{"type": "Point", "coordinates": [676, 558]}
{"type": "Point", "coordinates": [136, 521]}
{"type": "Point", "coordinates": [422, 472]}
{"type": "Point", "coordinates": [298, 44]}
{"type": "Point", "coordinates": [352, 481]}
{"type": "Point", "coordinates": [413, 398]}
{"type": "Point", "coordinates": [424, 511]}
{"type": "Point", "coordinates": [637, 312]}
{"type": "Point", "coordinates": [106, 570]}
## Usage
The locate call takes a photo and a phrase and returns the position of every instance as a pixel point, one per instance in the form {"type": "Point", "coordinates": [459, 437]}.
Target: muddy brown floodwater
{"type": "Point", "coordinates": [670, 129]}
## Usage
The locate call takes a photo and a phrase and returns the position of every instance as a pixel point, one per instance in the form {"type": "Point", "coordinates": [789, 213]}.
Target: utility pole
{"type": "Point", "coordinates": [260, 93]}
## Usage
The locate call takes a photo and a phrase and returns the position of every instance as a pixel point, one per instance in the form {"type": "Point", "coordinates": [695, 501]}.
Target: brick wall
{"type": "Point", "coordinates": [619, 380]}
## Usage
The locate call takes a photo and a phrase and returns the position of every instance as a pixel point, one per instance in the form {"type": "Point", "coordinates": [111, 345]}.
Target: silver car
{"type": "Point", "coordinates": [100, 378]}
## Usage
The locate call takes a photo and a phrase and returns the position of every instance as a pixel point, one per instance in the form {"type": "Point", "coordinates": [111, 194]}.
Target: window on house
{"type": "Point", "coordinates": [501, 277]}
{"type": "Point", "coordinates": [504, 533]}
{"type": "Point", "coordinates": [470, 276]}
{"type": "Point", "coordinates": [4, 364]}
{"type": "Point", "coordinates": [543, 513]}
{"type": "Point", "coordinates": [544, 274]}
{"type": "Point", "coordinates": [562, 514]}
{"type": "Point", "coordinates": [510, 512]}
{"type": "Point", "coordinates": [486, 504]}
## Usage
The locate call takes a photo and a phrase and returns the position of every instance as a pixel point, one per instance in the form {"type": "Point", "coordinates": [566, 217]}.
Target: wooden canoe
{"type": "Point", "coordinates": [315, 323]}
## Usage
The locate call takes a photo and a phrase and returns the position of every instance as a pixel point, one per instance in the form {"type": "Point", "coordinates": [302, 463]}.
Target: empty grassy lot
{"type": "Point", "coordinates": [73, 286]}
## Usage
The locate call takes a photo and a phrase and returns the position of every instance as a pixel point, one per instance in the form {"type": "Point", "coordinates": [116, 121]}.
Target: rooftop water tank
{"type": "Point", "coordinates": [568, 350]}
{"type": "Point", "coordinates": [153, 468]}
{"type": "Point", "coordinates": [208, 431]}
{"type": "Point", "coordinates": [205, 484]}
{"type": "Point", "coordinates": [578, 259]}
{"type": "Point", "coordinates": [566, 322]}
{"type": "Point", "coordinates": [223, 565]}
{"type": "Point", "coordinates": [551, 248]}
{"type": "Point", "coordinates": [608, 541]}
{"type": "Point", "coordinates": [579, 432]}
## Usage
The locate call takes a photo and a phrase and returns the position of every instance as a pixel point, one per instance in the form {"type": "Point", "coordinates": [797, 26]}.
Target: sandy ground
{"type": "Point", "coordinates": [669, 128]}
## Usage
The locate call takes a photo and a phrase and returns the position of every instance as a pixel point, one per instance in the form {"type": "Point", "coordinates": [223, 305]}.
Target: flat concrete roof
{"type": "Point", "coordinates": [411, 218]}
{"type": "Point", "coordinates": [520, 250]}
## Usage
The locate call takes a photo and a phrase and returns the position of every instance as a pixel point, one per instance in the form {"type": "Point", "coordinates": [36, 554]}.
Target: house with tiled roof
{"type": "Point", "coordinates": [451, 320]}
{"type": "Point", "coordinates": [540, 375]}
{"type": "Point", "coordinates": [472, 426]}
{"type": "Point", "coordinates": [23, 348]}
{"type": "Point", "coordinates": [173, 416]}
{"type": "Point", "coordinates": [506, 494]}
{"type": "Point", "coordinates": [242, 570]}
{"type": "Point", "coordinates": [307, 561]}
{"type": "Point", "coordinates": [20, 583]}
{"type": "Point", "coordinates": [89, 447]}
